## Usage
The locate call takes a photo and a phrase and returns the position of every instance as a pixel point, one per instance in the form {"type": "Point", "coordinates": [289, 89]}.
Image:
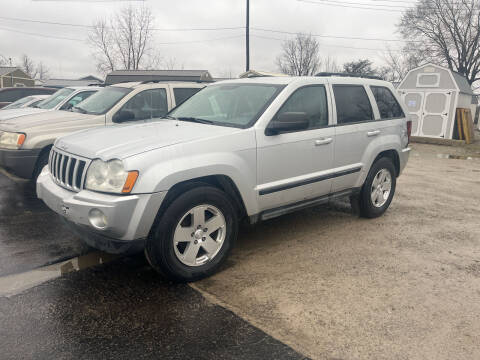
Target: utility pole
{"type": "Point", "coordinates": [247, 40]}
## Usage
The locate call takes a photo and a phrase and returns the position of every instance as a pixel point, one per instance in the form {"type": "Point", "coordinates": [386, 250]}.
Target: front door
{"type": "Point", "coordinates": [295, 166]}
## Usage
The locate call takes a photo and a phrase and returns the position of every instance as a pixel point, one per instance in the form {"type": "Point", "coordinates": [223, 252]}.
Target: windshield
{"type": "Point", "coordinates": [237, 105]}
{"type": "Point", "coordinates": [55, 99]}
{"type": "Point", "coordinates": [102, 101]}
{"type": "Point", "coordinates": [19, 103]}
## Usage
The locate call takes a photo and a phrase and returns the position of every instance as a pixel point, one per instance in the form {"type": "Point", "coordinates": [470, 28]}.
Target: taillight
{"type": "Point", "coordinates": [409, 130]}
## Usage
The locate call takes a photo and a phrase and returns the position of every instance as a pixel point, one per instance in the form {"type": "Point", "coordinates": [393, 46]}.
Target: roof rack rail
{"type": "Point", "coordinates": [344, 74]}
{"type": "Point", "coordinates": [168, 80]}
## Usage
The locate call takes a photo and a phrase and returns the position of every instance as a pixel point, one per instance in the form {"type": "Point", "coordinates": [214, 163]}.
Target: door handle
{"type": "Point", "coordinates": [323, 141]}
{"type": "Point", "coordinates": [373, 133]}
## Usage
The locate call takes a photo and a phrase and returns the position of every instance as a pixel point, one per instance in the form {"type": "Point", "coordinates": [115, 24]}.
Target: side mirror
{"type": "Point", "coordinates": [122, 116]}
{"type": "Point", "coordinates": [286, 122]}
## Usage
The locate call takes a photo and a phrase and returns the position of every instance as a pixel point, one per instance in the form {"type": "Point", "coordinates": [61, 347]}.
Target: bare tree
{"type": "Point", "coordinates": [300, 56]}
{"type": "Point", "coordinates": [171, 63]}
{"type": "Point", "coordinates": [124, 41]}
{"type": "Point", "coordinates": [329, 64]}
{"type": "Point", "coordinates": [446, 32]}
{"type": "Point", "coordinates": [43, 73]}
{"type": "Point", "coordinates": [35, 71]}
{"type": "Point", "coordinates": [28, 66]}
{"type": "Point", "coordinates": [3, 60]}
{"type": "Point", "coordinates": [398, 64]}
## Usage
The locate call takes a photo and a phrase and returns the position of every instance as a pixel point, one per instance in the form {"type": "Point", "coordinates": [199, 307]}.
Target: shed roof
{"type": "Point", "coordinates": [462, 83]}
{"type": "Point", "coordinates": [459, 79]}
{"type": "Point", "coordinates": [117, 76]}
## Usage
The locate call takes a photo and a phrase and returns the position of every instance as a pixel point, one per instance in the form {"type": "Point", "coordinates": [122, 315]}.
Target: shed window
{"type": "Point", "coordinates": [428, 80]}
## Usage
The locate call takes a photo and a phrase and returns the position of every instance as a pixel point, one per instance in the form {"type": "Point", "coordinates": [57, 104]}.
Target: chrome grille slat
{"type": "Point", "coordinates": [62, 164]}
{"type": "Point", "coordinates": [61, 174]}
{"type": "Point", "coordinates": [67, 171]}
{"type": "Point", "coordinates": [75, 173]}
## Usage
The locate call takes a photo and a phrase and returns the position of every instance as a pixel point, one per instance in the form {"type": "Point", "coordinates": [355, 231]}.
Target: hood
{"type": "Point", "coordinates": [122, 141]}
{"type": "Point", "coordinates": [13, 113]}
{"type": "Point", "coordinates": [43, 121]}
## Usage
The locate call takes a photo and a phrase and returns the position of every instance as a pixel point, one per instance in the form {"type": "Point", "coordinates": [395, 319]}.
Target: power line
{"type": "Point", "coordinates": [328, 45]}
{"type": "Point", "coordinates": [92, 26]}
{"type": "Point", "coordinates": [369, 6]}
{"type": "Point", "coordinates": [329, 36]}
{"type": "Point", "coordinates": [158, 43]}
{"type": "Point", "coordinates": [40, 35]}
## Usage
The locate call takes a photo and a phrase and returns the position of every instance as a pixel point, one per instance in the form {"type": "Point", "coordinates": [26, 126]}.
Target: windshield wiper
{"type": "Point", "coordinates": [194, 119]}
{"type": "Point", "coordinates": [80, 110]}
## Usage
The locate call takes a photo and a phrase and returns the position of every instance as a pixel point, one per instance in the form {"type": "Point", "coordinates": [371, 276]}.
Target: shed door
{"type": "Point", "coordinates": [435, 114]}
{"type": "Point", "coordinates": [414, 102]}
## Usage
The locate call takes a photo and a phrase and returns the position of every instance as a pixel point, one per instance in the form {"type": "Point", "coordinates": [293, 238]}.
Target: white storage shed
{"type": "Point", "coordinates": [432, 94]}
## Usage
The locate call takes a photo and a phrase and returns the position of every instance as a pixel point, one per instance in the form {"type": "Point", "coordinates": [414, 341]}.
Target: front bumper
{"type": "Point", "coordinates": [404, 155]}
{"type": "Point", "coordinates": [129, 217]}
{"type": "Point", "coordinates": [20, 163]}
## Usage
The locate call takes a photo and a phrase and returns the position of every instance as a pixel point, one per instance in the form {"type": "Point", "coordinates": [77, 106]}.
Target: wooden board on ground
{"type": "Point", "coordinates": [465, 125]}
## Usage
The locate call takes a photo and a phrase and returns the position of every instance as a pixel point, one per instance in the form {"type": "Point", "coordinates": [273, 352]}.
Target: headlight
{"type": "Point", "coordinates": [110, 177]}
{"type": "Point", "coordinates": [11, 140]}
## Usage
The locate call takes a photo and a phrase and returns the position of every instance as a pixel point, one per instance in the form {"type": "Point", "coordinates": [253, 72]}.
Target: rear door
{"type": "Point", "coordinates": [354, 130]}
{"type": "Point", "coordinates": [295, 166]}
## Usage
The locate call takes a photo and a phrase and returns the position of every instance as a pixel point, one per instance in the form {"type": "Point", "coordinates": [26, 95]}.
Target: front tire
{"type": "Point", "coordinates": [194, 235]}
{"type": "Point", "coordinates": [378, 190]}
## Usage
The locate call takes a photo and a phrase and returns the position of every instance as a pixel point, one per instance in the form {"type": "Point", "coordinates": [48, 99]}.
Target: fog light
{"type": "Point", "coordinates": [98, 219]}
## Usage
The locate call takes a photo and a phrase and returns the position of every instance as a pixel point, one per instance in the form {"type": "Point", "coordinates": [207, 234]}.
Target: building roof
{"type": "Point", "coordinates": [4, 70]}
{"type": "Point", "coordinates": [117, 76]}
{"type": "Point", "coordinates": [60, 83]}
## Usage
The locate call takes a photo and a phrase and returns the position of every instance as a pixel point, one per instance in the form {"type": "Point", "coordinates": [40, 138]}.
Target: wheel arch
{"type": "Point", "coordinates": [392, 155]}
{"type": "Point", "coordinates": [222, 182]}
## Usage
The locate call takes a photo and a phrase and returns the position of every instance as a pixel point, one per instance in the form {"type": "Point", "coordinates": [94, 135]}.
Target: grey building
{"type": "Point", "coordinates": [432, 94]}
{"type": "Point", "coordinates": [83, 81]}
{"type": "Point", "coordinates": [119, 76]}
{"type": "Point", "coordinates": [12, 76]}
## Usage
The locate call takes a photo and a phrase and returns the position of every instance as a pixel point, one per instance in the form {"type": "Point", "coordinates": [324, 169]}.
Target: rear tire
{"type": "Point", "coordinates": [378, 190]}
{"type": "Point", "coordinates": [194, 235]}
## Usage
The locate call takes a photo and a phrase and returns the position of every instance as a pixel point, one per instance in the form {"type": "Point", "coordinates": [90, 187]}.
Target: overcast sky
{"type": "Point", "coordinates": [72, 59]}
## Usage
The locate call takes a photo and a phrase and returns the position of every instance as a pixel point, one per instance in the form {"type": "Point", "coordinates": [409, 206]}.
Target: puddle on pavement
{"type": "Point", "coordinates": [457, 157]}
{"type": "Point", "coordinates": [14, 284]}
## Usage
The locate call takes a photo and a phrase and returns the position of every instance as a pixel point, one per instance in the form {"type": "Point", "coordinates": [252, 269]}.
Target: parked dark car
{"type": "Point", "coordinates": [11, 94]}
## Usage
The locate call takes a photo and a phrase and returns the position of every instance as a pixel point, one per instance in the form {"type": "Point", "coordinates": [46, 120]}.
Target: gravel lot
{"type": "Point", "coordinates": [403, 286]}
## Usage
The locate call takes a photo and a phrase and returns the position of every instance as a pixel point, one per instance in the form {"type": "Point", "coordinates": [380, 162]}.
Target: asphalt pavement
{"type": "Point", "coordinates": [31, 235]}
{"type": "Point", "coordinates": [119, 310]}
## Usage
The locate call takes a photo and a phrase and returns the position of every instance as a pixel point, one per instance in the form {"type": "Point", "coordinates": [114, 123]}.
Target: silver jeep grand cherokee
{"type": "Point", "coordinates": [257, 148]}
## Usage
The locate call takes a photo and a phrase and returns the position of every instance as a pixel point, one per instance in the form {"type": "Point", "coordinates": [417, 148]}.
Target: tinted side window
{"type": "Point", "coordinates": [352, 104]}
{"type": "Point", "coordinates": [10, 95]}
{"type": "Point", "coordinates": [146, 105]}
{"type": "Point", "coordinates": [182, 94]}
{"type": "Point", "coordinates": [387, 104]}
{"type": "Point", "coordinates": [313, 101]}
{"type": "Point", "coordinates": [76, 99]}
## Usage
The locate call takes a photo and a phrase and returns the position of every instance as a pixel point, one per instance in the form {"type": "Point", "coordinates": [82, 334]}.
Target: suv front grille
{"type": "Point", "coordinates": [67, 170]}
